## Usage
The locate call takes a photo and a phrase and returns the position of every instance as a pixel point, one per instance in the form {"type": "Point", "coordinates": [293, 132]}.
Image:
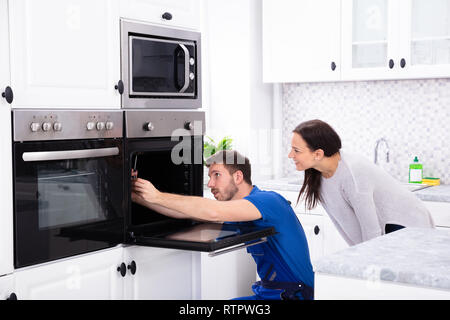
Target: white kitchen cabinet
{"type": "Point", "coordinates": [440, 211]}
{"type": "Point", "coordinates": [164, 274]}
{"type": "Point", "coordinates": [313, 226]}
{"type": "Point", "coordinates": [183, 13]}
{"type": "Point", "coordinates": [90, 276]}
{"type": "Point", "coordinates": [6, 207]}
{"type": "Point", "coordinates": [425, 38]}
{"type": "Point", "coordinates": [65, 53]}
{"type": "Point", "coordinates": [301, 40]}
{"type": "Point", "coordinates": [7, 287]}
{"type": "Point", "coordinates": [226, 276]}
{"type": "Point", "coordinates": [395, 39]}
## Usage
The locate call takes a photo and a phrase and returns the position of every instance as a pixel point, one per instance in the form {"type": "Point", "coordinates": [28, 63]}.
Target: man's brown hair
{"type": "Point", "coordinates": [233, 161]}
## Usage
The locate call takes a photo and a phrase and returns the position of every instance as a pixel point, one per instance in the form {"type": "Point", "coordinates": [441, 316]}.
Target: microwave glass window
{"type": "Point", "coordinates": [70, 193]}
{"type": "Point", "coordinates": [158, 67]}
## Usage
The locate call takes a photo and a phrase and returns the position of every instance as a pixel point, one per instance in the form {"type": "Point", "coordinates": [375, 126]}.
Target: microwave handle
{"type": "Point", "coordinates": [69, 154]}
{"type": "Point", "coordinates": [186, 68]}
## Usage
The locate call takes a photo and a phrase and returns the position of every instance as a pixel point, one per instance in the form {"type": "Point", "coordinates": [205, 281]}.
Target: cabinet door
{"type": "Point", "coordinates": [65, 53]}
{"type": "Point", "coordinates": [333, 241]}
{"type": "Point", "coordinates": [370, 33]}
{"type": "Point", "coordinates": [227, 276]}
{"type": "Point", "coordinates": [93, 276]}
{"type": "Point", "coordinates": [425, 38]}
{"type": "Point", "coordinates": [164, 274]}
{"type": "Point", "coordinates": [183, 13]}
{"type": "Point", "coordinates": [6, 208]}
{"type": "Point", "coordinates": [7, 287]}
{"type": "Point", "coordinates": [301, 40]}
{"type": "Point", "coordinates": [314, 231]}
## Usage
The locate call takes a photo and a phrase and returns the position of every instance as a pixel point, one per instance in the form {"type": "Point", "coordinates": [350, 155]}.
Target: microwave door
{"type": "Point", "coordinates": [214, 238]}
{"type": "Point", "coordinates": [160, 67]}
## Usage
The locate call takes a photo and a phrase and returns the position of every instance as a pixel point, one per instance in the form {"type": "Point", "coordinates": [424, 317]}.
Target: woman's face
{"type": "Point", "coordinates": [303, 157]}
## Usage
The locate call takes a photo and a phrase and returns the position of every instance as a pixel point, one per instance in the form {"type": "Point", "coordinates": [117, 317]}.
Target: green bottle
{"type": "Point", "coordinates": [415, 171]}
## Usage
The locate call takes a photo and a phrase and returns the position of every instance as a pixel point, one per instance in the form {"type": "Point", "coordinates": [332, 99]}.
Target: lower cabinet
{"type": "Point", "coordinates": [7, 290]}
{"type": "Point", "coordinates": [90, 276]}
{"type": "Point", "coordinates": [155, 273]}
{"type": "Point", "coordinates": [226, 276]}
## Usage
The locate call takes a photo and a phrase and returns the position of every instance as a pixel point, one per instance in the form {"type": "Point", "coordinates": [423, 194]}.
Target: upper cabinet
{"type": "Point", "coordinates": [301, 40]}
{"type": "Point", "coordinates": [425, 37]}
{"type": "Point", "coordinates": [378, 39]}
{"type": "Point", "coordinates": [175, 13]}
{"type": "Point", "coordinates": [64, 53]}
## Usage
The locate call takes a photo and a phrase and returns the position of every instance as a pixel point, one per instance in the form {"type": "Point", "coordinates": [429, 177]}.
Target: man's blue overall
{"type": "Point", "coordinates": [283, 262]}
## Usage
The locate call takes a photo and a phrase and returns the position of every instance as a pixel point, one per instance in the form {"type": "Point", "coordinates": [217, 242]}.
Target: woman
{"type": "Point", "coordinates": [362, 200]}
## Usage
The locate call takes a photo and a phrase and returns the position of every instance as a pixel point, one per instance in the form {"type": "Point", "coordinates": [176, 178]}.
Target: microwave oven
{"type": "Point", "coordinates": [161, 67]}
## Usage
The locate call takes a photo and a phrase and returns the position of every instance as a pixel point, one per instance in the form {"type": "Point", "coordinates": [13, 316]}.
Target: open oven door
{"type": "Point", "coordinates": [214, 238]}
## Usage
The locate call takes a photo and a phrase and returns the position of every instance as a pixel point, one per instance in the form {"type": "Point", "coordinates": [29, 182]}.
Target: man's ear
{"type": "Point", "coordinates": [238, 177]}
{"type": "Point", "coordinates": [319, 154]}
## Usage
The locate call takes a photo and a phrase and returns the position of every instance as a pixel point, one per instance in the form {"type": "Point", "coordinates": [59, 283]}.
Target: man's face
{"type": "Point", "coordinates": [221, 182]}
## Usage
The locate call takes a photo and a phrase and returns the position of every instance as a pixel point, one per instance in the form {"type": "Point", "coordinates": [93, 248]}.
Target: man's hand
{"type": "Point", "coordinates": [143, 191]}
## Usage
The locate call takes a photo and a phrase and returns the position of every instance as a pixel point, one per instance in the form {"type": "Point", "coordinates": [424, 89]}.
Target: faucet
{"type": "Point", "coordinates": [376, 150]}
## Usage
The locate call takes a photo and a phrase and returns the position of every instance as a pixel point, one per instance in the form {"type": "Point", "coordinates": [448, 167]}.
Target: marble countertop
{"type": "Point", "coordinates": [439, 193]}
{"type": "Point", "coordinates": [415, 256]}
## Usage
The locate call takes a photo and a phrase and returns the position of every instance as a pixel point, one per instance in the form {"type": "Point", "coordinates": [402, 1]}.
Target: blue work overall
{"type": "Point", "coordinates": [277, 280]}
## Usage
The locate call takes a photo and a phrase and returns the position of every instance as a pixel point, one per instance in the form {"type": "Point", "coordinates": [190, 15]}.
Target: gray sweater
{"type": "Point", "coordinates": [361, 198]}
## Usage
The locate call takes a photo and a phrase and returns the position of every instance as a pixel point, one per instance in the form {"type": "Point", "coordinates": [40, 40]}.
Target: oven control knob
{"type": "Point", "coordinates": [90, 126]}
{"type": "Point", "coordinates": [191, 61]}
{"type": "Point", "coordinates": [46, 126]}
{"type": "Point", "coordinates": [109, 125]}
{"type": "Point", "coordinates": [100, 126]}
{"type": "Point", "coordinates": [35, 127]}
{"type": "Point", "coordinates": [191, 76]}
{"type": "Point", "coordinates": [188, 125]}
{"type": "Point", "coordinates": [57, 126]}
{"type": "Point", "coordinates": [148, 126]}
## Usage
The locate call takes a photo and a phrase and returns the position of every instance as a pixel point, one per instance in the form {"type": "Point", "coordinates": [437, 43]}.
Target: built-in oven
{"type": "Point", "coordinates": [166, 148]}
{"type": "Point", "coordinates": [160, 67]}
{"type": "Point", "coordinates": [68, 183]}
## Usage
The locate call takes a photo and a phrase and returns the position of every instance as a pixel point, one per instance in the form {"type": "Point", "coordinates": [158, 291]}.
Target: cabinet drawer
{"type": "Point", "coordinates": [440, 211]}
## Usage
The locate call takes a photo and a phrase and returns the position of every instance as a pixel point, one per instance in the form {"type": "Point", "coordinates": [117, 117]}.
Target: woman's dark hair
{"type": "Point", "coordinates": [318, 135]}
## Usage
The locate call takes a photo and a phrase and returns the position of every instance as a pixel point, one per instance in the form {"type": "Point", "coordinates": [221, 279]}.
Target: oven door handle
{"type": "Point", "coordinates": [69, 154]}
{"type": "Point", "coordinates": [186, 67]}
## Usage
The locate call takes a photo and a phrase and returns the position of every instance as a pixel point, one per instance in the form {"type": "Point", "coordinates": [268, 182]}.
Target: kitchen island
{"type": "Point", "coordinates": [412, 263]}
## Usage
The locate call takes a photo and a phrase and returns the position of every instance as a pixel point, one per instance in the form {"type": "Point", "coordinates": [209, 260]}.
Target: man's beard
{"type": "Point", "coordinates": [229, 192]}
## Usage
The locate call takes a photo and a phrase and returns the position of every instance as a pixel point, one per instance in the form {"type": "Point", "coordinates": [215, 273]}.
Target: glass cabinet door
{"type": "Point", "coordinates": [430, 32]}
{"type": "Point", "coordinates": [369, 38]}
{"type": "Point", "coordinates": [425, 38]}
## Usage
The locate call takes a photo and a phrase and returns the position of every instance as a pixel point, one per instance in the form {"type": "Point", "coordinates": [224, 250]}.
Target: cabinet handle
{"type": "Point", "coordinates": [12, 296]}
{"type": "Point", "coordinates": [8, 94]}
{"type": "Point", "coordinates": [122, 269]}
{"type": "Point", "coordinates": [167, 16]}
{"type": "Point", "coordinates": [316, 230]}
{"type": "Point", "coordinates": [391, 64]}
{"type": "Point", "coordinates": [119, 86]}
{"type": "Point", "coordinates": [333, 66]}
{"type": "Point", "coordinates": [132, 267]}
{"type": "Point", "coordinates": [402, 63]}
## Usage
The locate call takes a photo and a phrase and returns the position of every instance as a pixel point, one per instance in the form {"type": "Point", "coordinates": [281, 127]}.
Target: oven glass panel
{"type": "Point", "coordinates": [69, 206]}
{"type": "Point", "coordinates": [70, 196]}
{"type": "Point", "coordinates": [159, 67]}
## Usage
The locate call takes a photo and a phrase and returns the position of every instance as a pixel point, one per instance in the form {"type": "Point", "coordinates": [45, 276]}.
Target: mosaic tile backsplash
{"type": "Point", "coordinates": [412, 115]}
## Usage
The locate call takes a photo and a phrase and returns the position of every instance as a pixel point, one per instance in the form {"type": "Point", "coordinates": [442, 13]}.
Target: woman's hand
{"type": "Point", "coordinates": [143, 191]}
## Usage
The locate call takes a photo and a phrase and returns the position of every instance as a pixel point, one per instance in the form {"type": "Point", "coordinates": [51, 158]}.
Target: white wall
{"type": "Point", "coordinates": [237, 102]}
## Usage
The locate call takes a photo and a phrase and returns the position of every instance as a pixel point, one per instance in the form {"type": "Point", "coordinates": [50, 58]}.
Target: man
{"type": "Point", "coordinates": [283, 262]}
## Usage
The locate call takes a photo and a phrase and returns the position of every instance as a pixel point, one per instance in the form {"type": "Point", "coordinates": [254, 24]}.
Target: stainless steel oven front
{"type": "Point", "coordinates": [68, 183]}
{"type": "Point", "coordinates": [161, 67]}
